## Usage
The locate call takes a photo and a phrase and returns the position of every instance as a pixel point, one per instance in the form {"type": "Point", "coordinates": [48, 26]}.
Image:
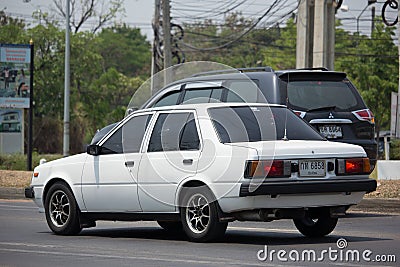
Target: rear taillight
{"type": "Point", "coordinates": [301, 114]}
{"type": "Point", "coordinates": [353, 166]}
{"type": "Point", "coordinates": [267, 168]}
{"type": "Point", "coordinates": [364, 115]}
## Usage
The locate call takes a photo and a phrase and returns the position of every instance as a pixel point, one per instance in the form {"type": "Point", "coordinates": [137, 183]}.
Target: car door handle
{"type": "Point", "coordinates": [187, 161]}
{"type": "Point", "coordinates": [129, 163]}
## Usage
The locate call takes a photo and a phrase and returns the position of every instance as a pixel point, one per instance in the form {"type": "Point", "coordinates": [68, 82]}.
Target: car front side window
{"type": "Point", "coordinates": [128, 138]}
{"type": "Point", "coordinates": [133, 132]}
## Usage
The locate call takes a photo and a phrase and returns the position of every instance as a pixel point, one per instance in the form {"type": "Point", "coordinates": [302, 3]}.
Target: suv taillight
{"type": "Point", "coordinates": [353, 166]}
{"type": "Point", "coordinates": [267, 168]}
{"type": "Point", "coordinates": [301, 114]}
{"type": "Point", "coordinates": [364, 115]}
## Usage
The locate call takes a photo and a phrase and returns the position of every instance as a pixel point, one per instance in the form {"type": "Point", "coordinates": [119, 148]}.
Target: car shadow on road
{"type": "Point", "coordinates": [232, 236]}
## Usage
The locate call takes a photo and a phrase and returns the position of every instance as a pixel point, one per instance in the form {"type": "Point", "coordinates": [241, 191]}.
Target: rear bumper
{"type": "Point", "coordinates": [29, 192]}
{"type": "Point", "coordinates": [308, 187]}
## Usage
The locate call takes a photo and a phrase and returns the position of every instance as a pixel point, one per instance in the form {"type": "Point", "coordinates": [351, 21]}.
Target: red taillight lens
{"type": "Point", "coordinates": [364, 115]}
{"type": "Point", "coordinates": [301, 114]}
{"type": "Point", "coordinates": [268, 168]}
{"type": "Point", "coordinates": [353, 166]}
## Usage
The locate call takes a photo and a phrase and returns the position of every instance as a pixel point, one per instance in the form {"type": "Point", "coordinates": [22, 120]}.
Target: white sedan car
{"type": "Point", "coordinates": [194, 168]}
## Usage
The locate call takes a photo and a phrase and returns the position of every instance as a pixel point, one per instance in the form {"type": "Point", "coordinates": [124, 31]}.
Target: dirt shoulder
{"type": "Point", "coordinates": [16, 179]}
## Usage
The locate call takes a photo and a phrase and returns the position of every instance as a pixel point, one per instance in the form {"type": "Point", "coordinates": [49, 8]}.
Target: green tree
{"type": "Point", "coordinates": [281, 54]}
{"type": "Point", "coordinates": [372, 65]}
{"type": "Point", "coordinates": [125, 49]}
{"type": "Point", "coordinates": [11, 30]}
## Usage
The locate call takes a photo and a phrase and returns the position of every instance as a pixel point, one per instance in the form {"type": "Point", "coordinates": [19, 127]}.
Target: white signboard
{"type": "Point", "coordinates": [11, 131]}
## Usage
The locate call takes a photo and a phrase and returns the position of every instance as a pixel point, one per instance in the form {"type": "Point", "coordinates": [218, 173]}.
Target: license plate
{"type": "Point", "coordinates": [331, 131]}
{"type": "Point", "coordinates": [312, 168]}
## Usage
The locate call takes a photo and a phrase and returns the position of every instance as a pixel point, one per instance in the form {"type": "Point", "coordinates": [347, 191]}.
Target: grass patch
{"type": "Point", "coordinates": [17, 162]}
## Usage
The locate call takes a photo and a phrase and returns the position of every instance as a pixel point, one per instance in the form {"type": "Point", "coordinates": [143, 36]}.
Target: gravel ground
{"type": "Point", "coordinates": [21, 179]}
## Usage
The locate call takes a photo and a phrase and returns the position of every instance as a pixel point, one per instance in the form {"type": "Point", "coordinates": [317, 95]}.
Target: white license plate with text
{"type": "Point", "coordinates": [312, 168]}
{"type": "Point", "coordinates": [331, 131]}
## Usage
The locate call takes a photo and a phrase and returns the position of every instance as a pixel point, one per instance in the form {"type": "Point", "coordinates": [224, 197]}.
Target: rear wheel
{"type": "Point", "coordinates": [62, 214]}
{"type": "Point", "coordinates": [316, 227]}
{"type": "Point", "coordinates": [199, 215]}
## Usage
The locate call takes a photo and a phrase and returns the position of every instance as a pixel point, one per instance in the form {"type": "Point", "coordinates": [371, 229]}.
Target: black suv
{"type": "Point", "coordinates": [325, 99]}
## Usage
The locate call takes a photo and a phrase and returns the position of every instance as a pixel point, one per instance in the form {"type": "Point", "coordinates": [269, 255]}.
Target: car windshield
{"type": "Point", "coordinates": [314, 95]}
{"type": "Point", "coordinates": [259, 123]}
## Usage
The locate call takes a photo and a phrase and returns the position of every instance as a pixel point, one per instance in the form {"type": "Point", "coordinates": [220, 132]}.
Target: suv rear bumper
{"type": "Point", "coordinates": [309, 187]}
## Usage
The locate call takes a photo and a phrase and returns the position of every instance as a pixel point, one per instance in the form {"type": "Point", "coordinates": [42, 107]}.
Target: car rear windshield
{"type": "Point", "coordinates": [308, 95]}
{"type": "Point", "coordinates": [259, 123]}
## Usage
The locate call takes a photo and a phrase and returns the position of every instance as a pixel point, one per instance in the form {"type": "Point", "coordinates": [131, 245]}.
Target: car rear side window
{"type": "Point", "coordinates": [242, 91]}
{"type": "Point", "coordinates": [256, 123]}
{"type": "Point", "coordinates": [194, 96]}
{"type": "Point", "coordinates": [308, 95]}
{"type": "Point", "coordinates": [173, 132]}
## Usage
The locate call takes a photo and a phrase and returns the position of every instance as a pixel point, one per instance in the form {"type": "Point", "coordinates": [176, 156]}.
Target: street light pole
{"type": "Point", "coordinates": [66, 84]}
{"type": "Point", "coordinates": [370, 2]}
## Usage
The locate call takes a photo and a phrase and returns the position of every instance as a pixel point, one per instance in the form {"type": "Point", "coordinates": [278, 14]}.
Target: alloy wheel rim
{"type": "Point", "coordinates": [198, 213]}
{"type": "Point", "coordinates": [59, 208]}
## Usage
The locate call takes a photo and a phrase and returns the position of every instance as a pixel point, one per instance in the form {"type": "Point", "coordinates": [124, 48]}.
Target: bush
{"type": "Point", "coordinates": [395, 149]}
{"type": "Point", "coordinates": [17, 162]}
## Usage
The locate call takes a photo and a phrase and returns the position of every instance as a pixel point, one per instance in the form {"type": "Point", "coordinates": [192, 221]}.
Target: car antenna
{"type": "Point", "coordinates": [286, 112]}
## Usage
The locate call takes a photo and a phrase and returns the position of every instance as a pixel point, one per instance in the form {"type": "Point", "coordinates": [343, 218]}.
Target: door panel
{"type": "Point", "coordinates": [172, 155]}
{"type": "Point", "coordinates": [107, 185]}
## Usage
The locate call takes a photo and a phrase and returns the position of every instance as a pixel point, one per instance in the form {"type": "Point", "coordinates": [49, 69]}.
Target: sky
{"type": "Point", "coordinates": [139, 13]}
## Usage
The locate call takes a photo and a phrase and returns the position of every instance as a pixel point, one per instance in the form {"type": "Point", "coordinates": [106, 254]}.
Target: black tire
{"type": "Point", "coordinates": [317, 227]}
{"type": "Point", "coordinates": [173, 227]}
{"type": "Point", "coordinates": [62, 212]}
{"type": "Point", "coordinates": [199, 215]}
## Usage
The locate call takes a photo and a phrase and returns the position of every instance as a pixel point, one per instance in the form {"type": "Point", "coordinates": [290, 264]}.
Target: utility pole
{"type": "Point", "coordinates": [373, 19]}
{"type": "Point", "coordinates": [66, 84]}
{"type": "Point", "coordinates": [156, 58]}
{"type": "Point", "coordinates": [304, 43]}
{"type": "Point", "coordinates": [315, 34]}
{"type": "Point", "coordinates": [324, 34]}
{"type": "Point", "coordinates": [166, 24]}
{"type": "Point", "coordinates": [398, 96]}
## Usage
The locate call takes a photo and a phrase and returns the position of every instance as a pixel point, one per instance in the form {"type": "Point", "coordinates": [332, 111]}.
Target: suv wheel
{"type": "Point", "coordinates": [316, 227]}
{"type": "Point", "coordinates": [199, 215]}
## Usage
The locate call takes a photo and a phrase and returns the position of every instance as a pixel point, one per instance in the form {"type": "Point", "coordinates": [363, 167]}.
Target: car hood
{"type": "Point", "coordinates": [75, 159]}
{"type": "Point", "coordinates": [303, 149]}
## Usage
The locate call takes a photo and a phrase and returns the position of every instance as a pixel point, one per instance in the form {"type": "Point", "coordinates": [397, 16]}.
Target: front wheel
{"type": "Point", "coordinates": [315, 227]}
{"type": "Point", "coordinates": [61, 210]}
{"type": "Point", "coordinates": [199, 215]}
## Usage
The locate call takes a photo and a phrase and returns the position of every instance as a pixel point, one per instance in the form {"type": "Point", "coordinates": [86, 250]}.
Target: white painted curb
{"type": "Point", "coordinates": [388, 169]}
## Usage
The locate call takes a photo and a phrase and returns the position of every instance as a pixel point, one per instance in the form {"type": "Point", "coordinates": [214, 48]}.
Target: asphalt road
{"type": "Point", "coordinates": [25, 240]}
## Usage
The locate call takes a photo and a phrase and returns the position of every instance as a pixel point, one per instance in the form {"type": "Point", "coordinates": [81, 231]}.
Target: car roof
{"type": "Point", "coordinates": [203, 106]}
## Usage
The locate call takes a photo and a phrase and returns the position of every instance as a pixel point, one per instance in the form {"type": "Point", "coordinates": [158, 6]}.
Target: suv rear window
{"type": "Point", "coordinates": [256, 123]}
{"type": "Point", "coordinates": [307, 95]}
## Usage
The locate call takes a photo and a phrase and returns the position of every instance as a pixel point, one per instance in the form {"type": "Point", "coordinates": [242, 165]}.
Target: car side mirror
{"type": "Point", "coordinates": [93, 150]}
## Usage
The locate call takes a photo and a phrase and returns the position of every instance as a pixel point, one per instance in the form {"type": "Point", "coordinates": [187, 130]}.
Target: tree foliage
{"type": "Point", "coordinates": [102, 80]}
{"type": "Point", "coordinates": [372, 65]}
